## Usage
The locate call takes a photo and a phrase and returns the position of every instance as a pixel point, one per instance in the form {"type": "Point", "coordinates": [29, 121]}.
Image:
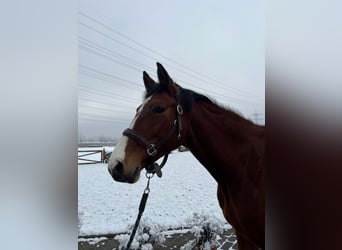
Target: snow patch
{"type": "Point", "coordinates": [109, 207]}
{"type": "Point", "coordinates": [92, 241]}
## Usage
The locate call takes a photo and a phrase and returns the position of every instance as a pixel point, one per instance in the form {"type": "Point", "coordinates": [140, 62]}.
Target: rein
{"type": "Point", "coordinates": [141, 210]}
{"type": "Point", "coordinates": [152, 167]}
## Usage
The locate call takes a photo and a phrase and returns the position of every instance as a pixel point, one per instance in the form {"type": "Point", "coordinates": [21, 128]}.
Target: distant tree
{"type": "Point", "coordinates": [104, 138]}
{"type": "Point", "coordinates": [81, 137]}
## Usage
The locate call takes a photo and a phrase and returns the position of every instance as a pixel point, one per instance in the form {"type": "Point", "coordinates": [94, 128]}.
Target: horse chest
{"type": "Point", "coordinates": [227, 206]}
{"type": "Point", "coordinates": [239, 212]}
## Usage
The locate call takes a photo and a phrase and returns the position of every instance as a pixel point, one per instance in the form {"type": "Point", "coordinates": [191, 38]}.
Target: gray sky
{"type": "Point", "coordinates": [212, 47]}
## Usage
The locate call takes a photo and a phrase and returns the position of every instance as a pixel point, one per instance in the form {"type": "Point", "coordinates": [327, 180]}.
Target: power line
{"type": "Point", "coordinates": [102, 105]}
{"type": "Point", "coordinates": [104, 79]}
{"type": "Point", "coordinates": [232, 99]}
{"type": "Point", "coordinates": [104, 102]}
{"type": "Point", "coordinates": [159, 54]}
{"type": "Point", "coordinates": [257, 117]}
{"type": "Point", "coordinates": [113, 53]}
{"type": "Point", "coordinates": [153, 58]}
{"type": "Point", "coordinates": [118, 41]}
{"type": "Point", "coordinates": [214, 93]}
{"type": "Point", "coordinates": [109, 75]}
{"type": "Point", "coordinates": [102, 93]}
{"type": "Point", "coordinates": [127, 62]}
{"type": "Point", "coordinates": [109, 58]}
{"type": "Point", "coordinates": [108, 112]}
{"type": "Point", "coordinates": [104, 120]}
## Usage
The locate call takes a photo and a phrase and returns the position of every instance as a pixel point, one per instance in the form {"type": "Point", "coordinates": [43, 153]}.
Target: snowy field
{"type": "Point", "coordinates": [185, 193]}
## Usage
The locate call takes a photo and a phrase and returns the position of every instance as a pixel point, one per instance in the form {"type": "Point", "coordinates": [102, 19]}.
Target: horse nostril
{"type": "Point", "coordinates": [117, 172]}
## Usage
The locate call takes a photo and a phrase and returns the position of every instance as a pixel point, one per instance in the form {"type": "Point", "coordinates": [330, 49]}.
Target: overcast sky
{"type": "Point", "coordinates": [212, 47]}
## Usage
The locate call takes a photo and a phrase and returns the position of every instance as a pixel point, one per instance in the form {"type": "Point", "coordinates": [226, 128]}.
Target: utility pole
{"type": "Point", "coordinates": [256, 117]}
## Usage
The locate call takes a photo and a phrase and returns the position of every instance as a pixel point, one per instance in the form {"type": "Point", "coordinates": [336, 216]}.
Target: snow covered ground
{"type": "Point", "coordinates": [184, 193]}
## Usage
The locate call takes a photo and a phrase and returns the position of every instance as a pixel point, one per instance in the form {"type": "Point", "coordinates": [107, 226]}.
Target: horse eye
{"type": "Point", "coordinates": [157, 110]}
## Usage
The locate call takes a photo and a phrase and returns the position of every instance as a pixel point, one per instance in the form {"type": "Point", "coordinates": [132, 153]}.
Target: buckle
{"type": "Point", "coordinates": [179, 109]}
{"type": "Point", "coordinates": [151, 149]}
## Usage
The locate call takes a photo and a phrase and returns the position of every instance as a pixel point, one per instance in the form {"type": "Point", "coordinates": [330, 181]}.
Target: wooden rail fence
{"type": "Point", "coordinates": [88, 152]}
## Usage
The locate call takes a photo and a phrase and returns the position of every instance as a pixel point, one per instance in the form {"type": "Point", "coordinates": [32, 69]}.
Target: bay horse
{"type": "Point", "coordinates": [229, 146]}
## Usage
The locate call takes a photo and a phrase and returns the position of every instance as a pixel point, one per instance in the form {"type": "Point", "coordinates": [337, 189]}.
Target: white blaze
{"type": "Point", "coordinates": [119, 152]}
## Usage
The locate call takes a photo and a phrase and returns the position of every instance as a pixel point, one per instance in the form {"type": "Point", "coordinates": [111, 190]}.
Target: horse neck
{"type": "Point", "coordinates": [216, 137]}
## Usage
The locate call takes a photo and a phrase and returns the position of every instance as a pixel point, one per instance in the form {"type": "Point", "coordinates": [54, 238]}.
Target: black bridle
{"type": "Point", "coordinates": [152, 148]}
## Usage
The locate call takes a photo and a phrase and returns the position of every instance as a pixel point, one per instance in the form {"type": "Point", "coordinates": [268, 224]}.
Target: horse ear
{"type": "Point", "coordinates": [165, 79]}
{"type": "Point", "coordinates": [148, 81]}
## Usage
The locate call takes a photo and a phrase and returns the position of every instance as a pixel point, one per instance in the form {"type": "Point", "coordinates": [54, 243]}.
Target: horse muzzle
{"type": "Point", "coordinates": [117, 172]}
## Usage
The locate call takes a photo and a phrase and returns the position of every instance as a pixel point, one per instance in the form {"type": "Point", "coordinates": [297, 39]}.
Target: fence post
{"type": "Point", "coordinates": [103, 155]}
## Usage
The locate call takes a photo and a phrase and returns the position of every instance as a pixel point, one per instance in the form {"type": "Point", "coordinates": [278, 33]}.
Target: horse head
{"type": "Point", "coordinates": [155, 130]}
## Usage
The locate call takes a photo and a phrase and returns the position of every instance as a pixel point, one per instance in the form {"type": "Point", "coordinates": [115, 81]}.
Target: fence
{"type": "Point", "coordinates": [96, 144]}
{"type": "Point", "coordinates": [89, 152]}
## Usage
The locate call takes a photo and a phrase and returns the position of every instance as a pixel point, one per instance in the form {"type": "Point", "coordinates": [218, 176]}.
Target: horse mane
{"type": "Point", "coordinates": [189, 97]}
